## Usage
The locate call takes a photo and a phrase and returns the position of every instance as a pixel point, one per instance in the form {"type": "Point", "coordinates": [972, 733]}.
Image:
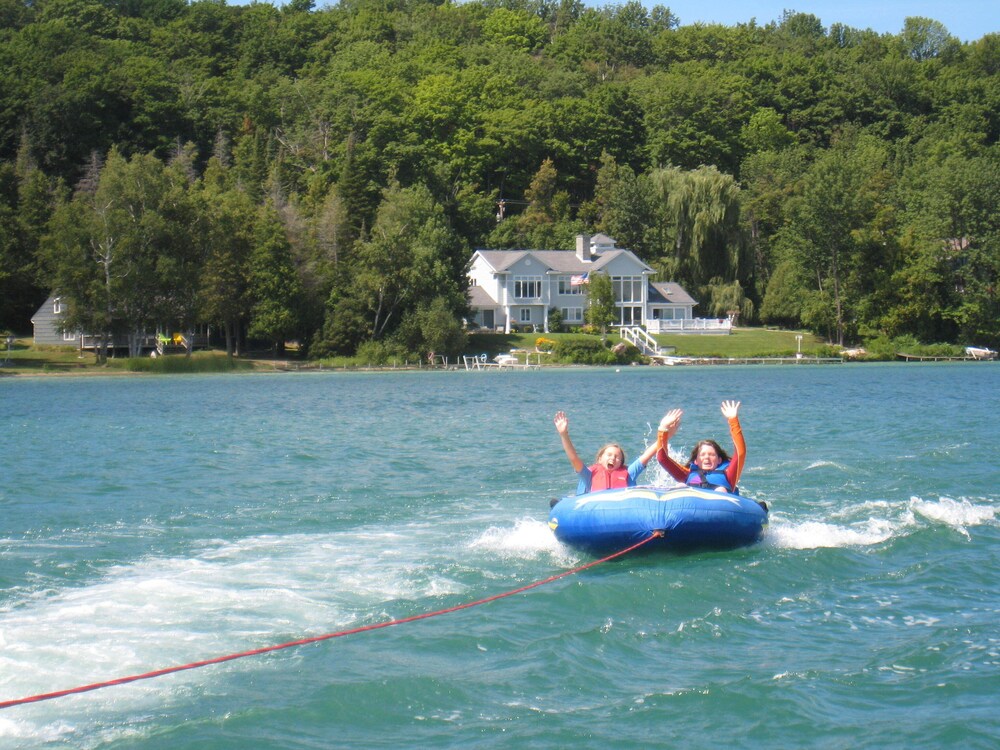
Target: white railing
{"type": "Point", "coordinates": [691, 325]}
{"type": "Point", "coordinates": [640, 339]}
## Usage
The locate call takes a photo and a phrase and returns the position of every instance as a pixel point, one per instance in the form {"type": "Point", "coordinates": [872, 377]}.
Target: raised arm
{"type": "Point", "coordinates": [730, 410]}
{"type": "Point", "coordinates": [668, 428]}
{"type": "Point", "coordinates": [561, 422]}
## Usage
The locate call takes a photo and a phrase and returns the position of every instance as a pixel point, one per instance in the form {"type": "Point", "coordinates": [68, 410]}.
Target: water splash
{"type": "Point", "coordinates": [527, 540]}
{"type": "Point", "coordinates": [958, 514]}
{"type": "Point", "coordinates": [874, 522]}
{"type": "Point", "coordinates": [818, 534]}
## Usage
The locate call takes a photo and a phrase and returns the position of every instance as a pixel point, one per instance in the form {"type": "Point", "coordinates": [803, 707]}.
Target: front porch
{"type": "Point", "coordinates": [147, 342]}
{"type": "Point", "coordinates": [721, 326]}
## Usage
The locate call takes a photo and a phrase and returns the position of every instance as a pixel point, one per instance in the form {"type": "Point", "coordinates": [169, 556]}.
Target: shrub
{"type": "Point", "coordinates": [381, 353]}
{"type": "Point", "coordinates": [584, 352]}
{"type": "Point", "coordinates": [885, 348]}
{"type": "Point", "coordinates": [555, 319]}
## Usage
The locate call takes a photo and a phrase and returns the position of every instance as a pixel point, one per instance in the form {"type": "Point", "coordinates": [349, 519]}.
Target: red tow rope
{"type": "Point", "coordinates": [315, 639]}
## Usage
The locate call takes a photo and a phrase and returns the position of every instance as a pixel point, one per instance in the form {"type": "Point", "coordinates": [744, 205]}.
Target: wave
{"type": "Point", "coordinates": [824, 464]}
{"type": "Point", "coordinates": [527, 540]}
{"type": "Point", "coordinates": [957, 514]}
{"type": "Point", "coordinates": [875, 522]}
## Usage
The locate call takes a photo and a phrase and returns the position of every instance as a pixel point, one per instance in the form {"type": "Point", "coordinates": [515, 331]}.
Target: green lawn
{"type": "Point", "coordinates": [27, 359]}
{"type": "Point", "coordinates": [746, 342]}
{"type": "Point", "coordinates": [24, 358]}
{"type": "Point", "coordinates": [742, 342]}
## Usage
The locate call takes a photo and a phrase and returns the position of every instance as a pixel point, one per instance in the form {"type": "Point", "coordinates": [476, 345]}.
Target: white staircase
{"type": "Point", "coordinates": [637, 336]}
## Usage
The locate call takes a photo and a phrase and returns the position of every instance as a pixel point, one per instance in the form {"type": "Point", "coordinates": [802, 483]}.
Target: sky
{"type": "Point", "coordinates": [966, 19]}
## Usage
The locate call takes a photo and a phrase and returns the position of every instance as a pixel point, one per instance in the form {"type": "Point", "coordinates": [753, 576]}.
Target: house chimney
{"type": "Point", "coordinates": [583, 248]}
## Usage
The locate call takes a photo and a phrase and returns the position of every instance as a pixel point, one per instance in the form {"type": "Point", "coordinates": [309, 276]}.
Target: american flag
{"type": "Point", "coordinates": [579, 279]}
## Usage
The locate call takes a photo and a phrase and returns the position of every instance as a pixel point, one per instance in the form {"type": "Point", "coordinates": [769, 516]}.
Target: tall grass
{"type": "Point", "coordinates": [179, 364]}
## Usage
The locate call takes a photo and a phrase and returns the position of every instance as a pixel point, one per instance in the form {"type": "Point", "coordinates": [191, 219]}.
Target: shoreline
{"type": "Point", "coordinates": [263, 367]}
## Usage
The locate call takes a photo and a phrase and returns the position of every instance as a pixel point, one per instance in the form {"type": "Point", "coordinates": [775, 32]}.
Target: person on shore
{"type": "Point", "coordinates": [608, 470]}
{"type": "Point", "coordinates": [710, 467]}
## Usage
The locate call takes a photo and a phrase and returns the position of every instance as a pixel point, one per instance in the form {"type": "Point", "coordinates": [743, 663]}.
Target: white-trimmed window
{"type": "Point", "coordinates": [57, 306]}
{"type": "Point", "coordinates": [69, 335]}
{"type": "Point", "coordinates": [572, 314]}
{"type": "Point", "coordinates": [527, 287]}
{"type": "Point", "coordinates": [627, 288]}
{"type": "Point", "coordinates": [566, 286]}
{"type": "Point", "coordinates": [525, 315]}
{"type": "Point", "coordinates": [631, 315]}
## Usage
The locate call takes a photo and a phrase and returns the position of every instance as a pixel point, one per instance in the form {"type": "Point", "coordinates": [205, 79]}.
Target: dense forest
{"type": "Point", "coordinates": [323, 174]}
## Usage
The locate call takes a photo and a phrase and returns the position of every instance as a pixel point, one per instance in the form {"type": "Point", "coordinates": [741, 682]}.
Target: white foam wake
{"type": "Point", "coordinates": [527, 540]}
{"type": "Point", "coordinates": [876, 522]}
{"type": "Point", "coordinates": [165, 612]}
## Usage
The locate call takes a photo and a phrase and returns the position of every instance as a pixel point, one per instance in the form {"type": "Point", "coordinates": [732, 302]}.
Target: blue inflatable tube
{"type": "Point", "coordinates": [689, 518]}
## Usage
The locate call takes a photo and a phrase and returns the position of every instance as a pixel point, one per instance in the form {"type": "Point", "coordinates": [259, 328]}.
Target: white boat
{"type": "Point", "coordinates": [978, 352]}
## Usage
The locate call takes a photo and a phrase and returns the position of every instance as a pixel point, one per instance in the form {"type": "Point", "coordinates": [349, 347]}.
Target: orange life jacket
{"type": "Point", "coordinates": [602, 479]}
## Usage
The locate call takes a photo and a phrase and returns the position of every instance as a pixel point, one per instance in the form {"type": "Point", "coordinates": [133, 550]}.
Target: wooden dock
{"type": "Point", "coordinates": [503, 362]}
{"type": "Point", "coordinates": [921, 358]}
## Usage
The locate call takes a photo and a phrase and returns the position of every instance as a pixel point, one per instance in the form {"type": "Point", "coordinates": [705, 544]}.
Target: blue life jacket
{"type": "Point", "coordinates": [709, 480]}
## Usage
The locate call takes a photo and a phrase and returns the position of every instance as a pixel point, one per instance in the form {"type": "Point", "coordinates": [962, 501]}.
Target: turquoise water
{"type": "Point", "coordinates": [149, 522]}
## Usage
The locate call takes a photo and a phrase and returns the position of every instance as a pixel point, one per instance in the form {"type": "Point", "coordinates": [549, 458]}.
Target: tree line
{"type": "Point", "coordinates": [323, 174]}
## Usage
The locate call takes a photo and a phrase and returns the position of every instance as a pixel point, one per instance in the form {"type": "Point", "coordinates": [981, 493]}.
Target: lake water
{"type": "Point", "coordinates": [149, 522]}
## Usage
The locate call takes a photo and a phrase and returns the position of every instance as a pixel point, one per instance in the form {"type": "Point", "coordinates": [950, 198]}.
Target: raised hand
{"type": "Point", "coordinates": [671, 422]}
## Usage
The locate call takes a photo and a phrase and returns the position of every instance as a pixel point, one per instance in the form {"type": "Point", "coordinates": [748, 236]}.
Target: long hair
{"type": "Point", "coordinates": [723, 456]}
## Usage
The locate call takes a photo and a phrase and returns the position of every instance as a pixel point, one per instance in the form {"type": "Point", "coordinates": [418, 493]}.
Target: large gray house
{"type": "Point", "coordinates": [518, 287]}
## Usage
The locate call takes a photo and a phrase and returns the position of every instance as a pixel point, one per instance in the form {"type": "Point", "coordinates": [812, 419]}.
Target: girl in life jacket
{"type": "Point", "coordinates": [710, 466]}
{"type": "Point", "coordinates": [608, 470]}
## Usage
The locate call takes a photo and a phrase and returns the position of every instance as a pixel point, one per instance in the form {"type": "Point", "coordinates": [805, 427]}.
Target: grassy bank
{"type": "Point", "coordinates": [742, 342]}
{"type": "Point", "coordinates": [25, 358]}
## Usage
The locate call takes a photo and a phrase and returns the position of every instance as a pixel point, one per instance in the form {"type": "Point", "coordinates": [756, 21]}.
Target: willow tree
{"type": "Point", "coordinates": [702, 207]}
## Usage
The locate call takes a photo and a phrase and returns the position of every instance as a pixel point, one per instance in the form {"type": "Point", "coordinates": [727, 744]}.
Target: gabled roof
{"type": "Point", "coordinates": [669, 292]}
{"type": "Point", "coordinates": [558, 261]}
